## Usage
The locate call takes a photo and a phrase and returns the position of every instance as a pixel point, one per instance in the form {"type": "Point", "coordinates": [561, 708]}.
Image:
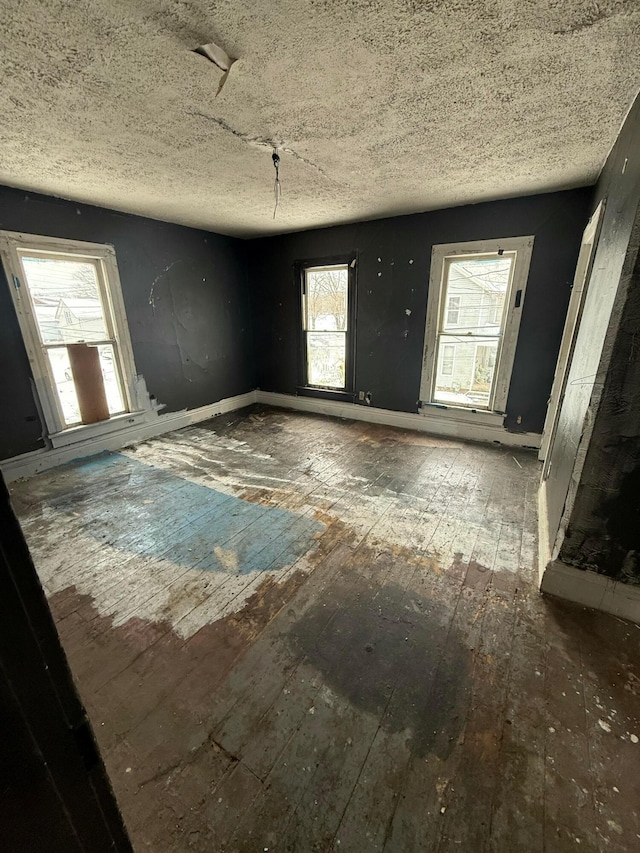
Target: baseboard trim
{"type": "Point", "coordinates": [448, 427]}
{"type": "Point", "coordinates": [29, 464]}
{"type": "Point", "coordinates": [592, 590]}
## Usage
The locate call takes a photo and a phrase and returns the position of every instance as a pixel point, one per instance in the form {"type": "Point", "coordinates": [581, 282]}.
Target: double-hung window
{"type": "Point", "coordinates": [67, 294]}
{"type": "Point", "coordinates": [327, 298]}
{"type": "Point", "coordinates": [476, 294]}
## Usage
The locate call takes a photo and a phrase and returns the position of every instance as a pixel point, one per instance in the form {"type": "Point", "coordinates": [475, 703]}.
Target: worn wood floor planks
{"type": "Point", "coordinates": [300, 634]}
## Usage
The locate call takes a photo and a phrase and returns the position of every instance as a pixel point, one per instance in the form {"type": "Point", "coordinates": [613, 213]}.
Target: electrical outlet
{"type": "Point", "coordinates": [361, 395]}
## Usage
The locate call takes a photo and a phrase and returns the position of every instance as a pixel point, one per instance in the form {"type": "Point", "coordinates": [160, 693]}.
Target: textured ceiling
{"type": "Point", "coordinates": [379, 106]}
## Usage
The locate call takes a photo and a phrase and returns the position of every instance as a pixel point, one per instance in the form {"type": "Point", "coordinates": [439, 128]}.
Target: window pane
{"type": "Point", "coordinates": [66, 389]}
{"type": "Point", "coordinates": [475, 293]}
{"type": "Point", "coordinates": [63, 378]}
{"type": "Point", "coordinates": [66, 300]}
{"type": "Point", "coordinates": [110, 377]}
{"type": "Point", "coordinates": [465, 372]}
{"type": "Point", "coordinates": [326, 358]}
{"type": "Point", "coordinates": [327, 299]}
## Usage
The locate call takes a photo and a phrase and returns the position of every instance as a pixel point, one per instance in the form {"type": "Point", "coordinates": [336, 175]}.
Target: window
{"type": "Point", "coordinates": [326, 326]}
{"type": "Point", "coordinates": [448, 356]}
{"type": "Point", "coordinates": [453, 310]}
{"type": "Point", "coordinates": [69, 306]}
{"type": "Point", "coordinates": [476, 293]}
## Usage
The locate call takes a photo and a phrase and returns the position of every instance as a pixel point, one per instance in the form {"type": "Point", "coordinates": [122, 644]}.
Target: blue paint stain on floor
{"type": "Point", "coordinates": [148, 511]}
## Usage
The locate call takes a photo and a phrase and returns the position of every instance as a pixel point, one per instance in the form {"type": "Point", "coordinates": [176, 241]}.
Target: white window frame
{"type": "Point", "coordinates": [12, 243]}
{"type": "Point", "coordinates": [346, 331]}
{"type": "Point", "coordinates": [521, 248]}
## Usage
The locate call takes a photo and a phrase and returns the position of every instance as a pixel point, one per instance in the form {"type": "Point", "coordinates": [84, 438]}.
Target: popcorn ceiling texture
{"type": "Point", "coordinates": [381, 107]}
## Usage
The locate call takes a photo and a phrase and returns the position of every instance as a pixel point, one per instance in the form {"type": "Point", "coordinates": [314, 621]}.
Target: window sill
{"type": "Point", "coordinates": [325, 394]}
{"type": "Point", "coordinates": [462, 415]}
{"type": "Point", "coordinates": [84, 432]}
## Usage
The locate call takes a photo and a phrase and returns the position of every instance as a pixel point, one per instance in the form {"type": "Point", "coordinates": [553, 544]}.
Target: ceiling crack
{"type": "Point", "coordinates": [304, 160]}
{"type": "Point", "coordinates": [260, 140]}
{"type": "Point", "coordinates": [223, 124]}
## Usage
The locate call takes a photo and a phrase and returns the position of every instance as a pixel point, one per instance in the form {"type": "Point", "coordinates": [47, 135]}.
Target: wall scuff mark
{"type": "Point", "coordinates": [155, 281]}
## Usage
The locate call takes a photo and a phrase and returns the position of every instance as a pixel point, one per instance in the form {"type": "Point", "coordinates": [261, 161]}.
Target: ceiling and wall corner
{"type": "Point", "coordinates": [376, 108]}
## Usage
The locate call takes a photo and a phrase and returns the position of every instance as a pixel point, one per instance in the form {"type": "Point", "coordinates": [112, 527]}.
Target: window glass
{"type": "Point", "coordinates": [327, 300]}
{"type": "Point", "coordinates": [68, 309]}
{"type": "Point", "coordinates": [112, 388]}
{"type": "Point", "coordinates": [474, 296]}
{"type": "Point", "coordinates": [326, 357]}
{"type": "Point", "coordinates": [66, 300]}
{"type": "Point", "coordinates": [66, 389]}
{"type": "Point", "coordinates": [65, 386]}
{"type": "Point", "coordinates": [326, 321]}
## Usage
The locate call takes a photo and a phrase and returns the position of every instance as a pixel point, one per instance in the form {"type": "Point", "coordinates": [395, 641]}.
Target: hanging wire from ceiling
{"type": "Point", "coordinates": [276, 187]}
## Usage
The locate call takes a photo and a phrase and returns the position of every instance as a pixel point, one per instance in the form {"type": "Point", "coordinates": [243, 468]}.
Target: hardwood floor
{"type": "Point", "coordinates": [300, 634]}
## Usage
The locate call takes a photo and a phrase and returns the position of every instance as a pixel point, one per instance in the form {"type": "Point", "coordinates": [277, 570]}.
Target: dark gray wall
{"type": "Point", "coordinates": [193, 344]}
{"type": "Point", "coordinates": [603, 532]}
{"type": "Point", "coordinates": [389, 342]}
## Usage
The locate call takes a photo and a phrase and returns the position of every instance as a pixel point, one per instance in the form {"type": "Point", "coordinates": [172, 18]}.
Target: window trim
{"type": "Point", "coordinates": [300, 269]}
{"type": "Point", "coordinates": [12, 243]}
{"type": "Point", "coordinates": [522, 247]}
